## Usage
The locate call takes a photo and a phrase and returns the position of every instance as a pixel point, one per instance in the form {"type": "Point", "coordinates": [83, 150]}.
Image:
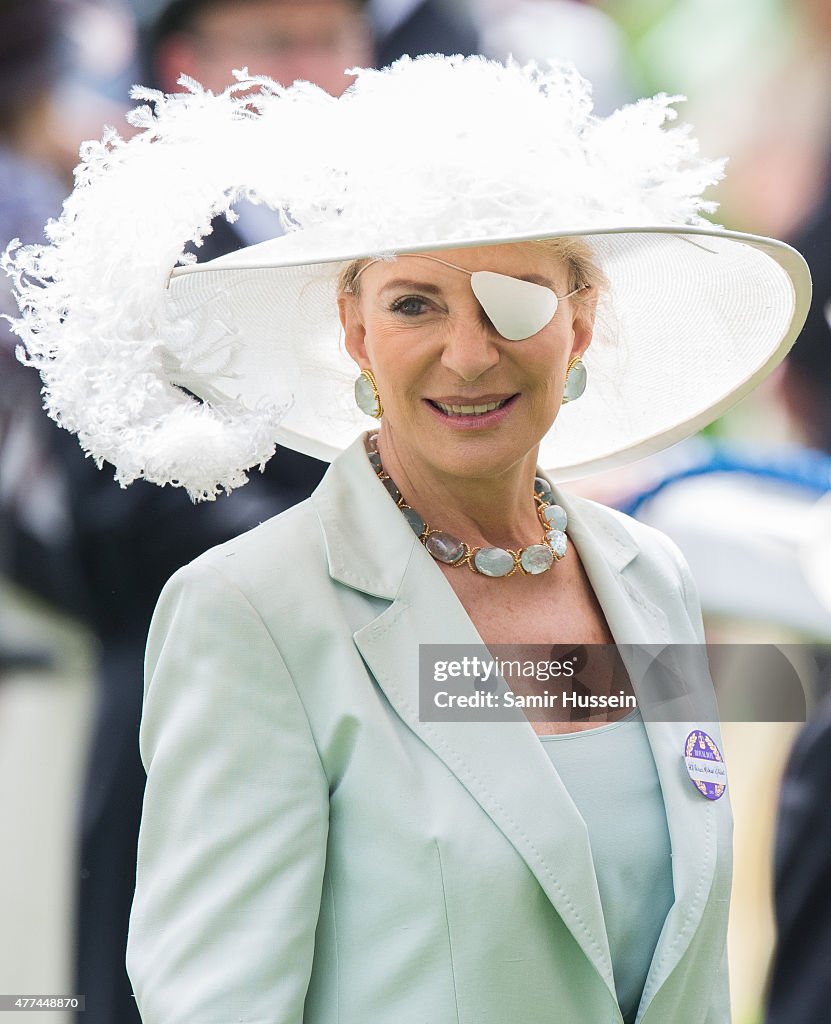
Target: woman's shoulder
{"type": "Point", "coordinates": [288, 543]}
{"type": "Point", "coordinates": [275, 577]}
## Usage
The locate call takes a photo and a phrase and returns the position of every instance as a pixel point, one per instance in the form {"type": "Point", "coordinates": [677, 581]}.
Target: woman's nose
{"type": "Point", "coordinates": [471, 346]}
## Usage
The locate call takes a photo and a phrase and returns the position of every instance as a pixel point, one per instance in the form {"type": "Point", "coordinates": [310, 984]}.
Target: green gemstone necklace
{"type": "Point", "coordinates": [493, 562]}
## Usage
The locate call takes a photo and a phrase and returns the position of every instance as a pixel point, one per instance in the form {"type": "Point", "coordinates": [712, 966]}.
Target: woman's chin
{"type": "Point", "coordinates": [481, 448]}
{"type": "Point", "coordinates": [473, 458]}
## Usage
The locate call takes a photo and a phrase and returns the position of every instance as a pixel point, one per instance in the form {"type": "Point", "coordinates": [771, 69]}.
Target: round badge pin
{"type": "Point", "coordinates": [705, 765]}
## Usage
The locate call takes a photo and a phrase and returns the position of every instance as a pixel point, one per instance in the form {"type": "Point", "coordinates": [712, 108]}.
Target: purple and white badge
{"type": "Point", "coordinates": [705, 765]}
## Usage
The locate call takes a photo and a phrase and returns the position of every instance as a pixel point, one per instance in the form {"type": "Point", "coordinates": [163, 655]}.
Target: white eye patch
{"type": "Point", "coordinates": [516, 308]}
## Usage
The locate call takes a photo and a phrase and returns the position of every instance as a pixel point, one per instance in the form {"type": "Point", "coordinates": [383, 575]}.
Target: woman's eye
{"type": "Point", "coordinates": [410, 305]}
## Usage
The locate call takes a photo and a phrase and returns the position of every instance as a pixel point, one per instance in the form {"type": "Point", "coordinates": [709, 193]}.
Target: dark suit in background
{"type": "Point", "coordinates": [800, 989]}
{"type": "Point", "coordinates": [431, 27]}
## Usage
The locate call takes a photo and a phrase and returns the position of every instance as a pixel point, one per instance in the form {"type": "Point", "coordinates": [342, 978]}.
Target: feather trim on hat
{"type": "Point", "coordinates": [432, 148]}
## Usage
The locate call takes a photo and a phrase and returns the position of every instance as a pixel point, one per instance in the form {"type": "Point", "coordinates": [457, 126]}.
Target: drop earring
{"type": "Point", "coordinates": [575, 382]}
{"type": "Point", "coordinates": [366, 395]}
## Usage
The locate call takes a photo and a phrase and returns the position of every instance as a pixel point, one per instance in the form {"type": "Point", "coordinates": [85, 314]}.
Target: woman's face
{"type": "Point", "coordinates": [417, 325]}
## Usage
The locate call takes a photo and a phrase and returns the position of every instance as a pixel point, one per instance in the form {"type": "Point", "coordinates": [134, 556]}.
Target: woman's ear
{"type": "Point", "coordinates": [583, 330]}
{"type": "Point", "coordinates": [582, 325]}
{"type": "Point", "coordinates": [354, 332]}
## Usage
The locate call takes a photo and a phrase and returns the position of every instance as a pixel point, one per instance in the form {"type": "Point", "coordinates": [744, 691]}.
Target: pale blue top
{"type": "Point", "coordinates": [610, 775]}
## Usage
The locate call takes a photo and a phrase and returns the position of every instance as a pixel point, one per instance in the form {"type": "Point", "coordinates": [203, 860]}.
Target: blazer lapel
{"type": "Point", "coordinates": [502, 764]}
{"type": "Point", "coordinates": [641, 631]}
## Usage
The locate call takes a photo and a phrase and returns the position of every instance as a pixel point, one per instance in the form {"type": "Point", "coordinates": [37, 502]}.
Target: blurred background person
{"type": "Point", "coordinates": [805, 380]}
{"type": "Point", "coordinates": [800, 983]}
{"type": "Point", "coordinates": [800, 989]}
{"type": "Point", "coordinates": [286, 40]}
{"type": "Point", "coordinates": [294, 39]}
{"type": "Point", "coordinates": [44, 654]}
{"type": "Point", "coordinates": [32, 190]}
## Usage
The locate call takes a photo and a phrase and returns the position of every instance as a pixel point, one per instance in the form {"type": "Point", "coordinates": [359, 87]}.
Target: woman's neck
{"type": "Point", "coordinates": [496, 510]}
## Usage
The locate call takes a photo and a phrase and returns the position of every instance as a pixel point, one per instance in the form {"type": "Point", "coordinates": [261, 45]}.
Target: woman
{"type": "Point", "coordinates": [317, 844]}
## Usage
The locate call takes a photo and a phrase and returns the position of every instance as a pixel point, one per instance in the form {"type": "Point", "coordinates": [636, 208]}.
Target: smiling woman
{"type": "Point", "coordinates": [461, 401]}
{"type": "Point", "coordinates": [317, 844]}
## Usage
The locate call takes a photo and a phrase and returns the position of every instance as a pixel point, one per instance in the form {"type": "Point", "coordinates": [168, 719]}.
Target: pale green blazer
{"type": "Point", "coordinates": [311, 851]}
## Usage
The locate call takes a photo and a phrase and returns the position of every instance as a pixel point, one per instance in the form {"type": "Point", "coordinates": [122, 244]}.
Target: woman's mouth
{"type": "Point", "coordinates": [469, 410]}
{"type": "Point", "coordinates": [472, 412]}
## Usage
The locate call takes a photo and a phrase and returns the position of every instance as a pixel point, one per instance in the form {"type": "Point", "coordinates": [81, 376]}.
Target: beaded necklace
{"type": "Point", "coordinates": [493, 562]}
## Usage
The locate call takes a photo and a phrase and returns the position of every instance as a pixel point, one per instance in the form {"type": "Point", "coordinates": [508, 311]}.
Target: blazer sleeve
{"type": "Point", "coordinates": [800, 989]}
{"type": "Point", "coordinates": [233, 835]}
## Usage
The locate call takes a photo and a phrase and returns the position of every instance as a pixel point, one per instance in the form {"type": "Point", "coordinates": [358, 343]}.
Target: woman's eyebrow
{"type": "Point", "coordinates": [434, 289]}
{"type": "Point", "coordinates": [421, 286]}
{"type": "Point", "coordinates": [546, 282]}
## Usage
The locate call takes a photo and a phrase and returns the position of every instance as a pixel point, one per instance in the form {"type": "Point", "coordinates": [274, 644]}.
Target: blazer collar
{"type": "Point", "coordinates": [368, 541]}
{"type": "Point", "coordinates": [370, 547]}
{"type": "Point", "coordinates": [369, 544]}
{"type": "Point", "coordinates": [606, 550]}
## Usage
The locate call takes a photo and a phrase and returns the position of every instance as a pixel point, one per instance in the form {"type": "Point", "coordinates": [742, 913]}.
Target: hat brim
{"type": "Point", "coordinates": [693, 320]}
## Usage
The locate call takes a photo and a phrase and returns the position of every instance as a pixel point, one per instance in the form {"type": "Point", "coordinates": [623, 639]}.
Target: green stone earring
{"type": "Point", "coordinates": [576, 377]}
{"type": "Point", "coordinates": [366, 395]}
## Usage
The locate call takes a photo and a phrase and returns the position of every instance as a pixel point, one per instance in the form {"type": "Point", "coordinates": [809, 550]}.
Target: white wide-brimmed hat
{"type": "Point", "coordinates": [430, 154]}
